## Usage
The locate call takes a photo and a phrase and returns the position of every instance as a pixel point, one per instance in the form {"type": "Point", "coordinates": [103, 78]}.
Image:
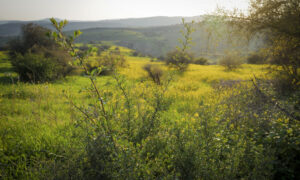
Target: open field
{"type": "Point", "coordinates": [214, 96]}
{"type": "Point", "coordinates": [48, 103]}
{"type": "Point", "coordinates": [193, 126]}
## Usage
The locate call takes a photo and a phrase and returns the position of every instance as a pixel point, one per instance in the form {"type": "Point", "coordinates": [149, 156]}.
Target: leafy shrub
{"type": "Point", "coordinates": [269, 127]}
{"type": "Point", "coordinates": [37, 58]}
{"type": "Point", "coordinates": [101, 48]}
{"type": "Point", "coordinates": [40, 67]}
{"type": "Point", "coordinates": [201, 61]}
{"type": "Point", "coordinates": [154, 72]}
{"type": "Point", "coordinates": [256, 59]}
{"type": "Point", "coordinates": [179, 59]}
{"type": "Point", "coordinates": [161, 58]}
{"type": "Point", "coordinates": [83, 48]}
{"type": "Point", "coordinates": [107, 63]}
{"type": "Point", "coordinates": [286, 55]}
{"type": "Point", "coordinates": [137, 54]}
{"type": "Point", "coordinates": [230, 62]}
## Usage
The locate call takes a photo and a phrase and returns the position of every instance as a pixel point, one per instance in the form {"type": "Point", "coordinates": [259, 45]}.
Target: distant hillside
{"type": "Point", "coordinates": [13, 28]}
{"type": "Point", "coordinates": [157, 41]}
{"type": "Point", "coordinates": [153, 36]}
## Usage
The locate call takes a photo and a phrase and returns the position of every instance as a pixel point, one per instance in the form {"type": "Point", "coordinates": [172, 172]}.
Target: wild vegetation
{"type": "Point", "coordinates": [37, 58]}
{"type": "Point", "coordinates": [120, 115]}
{"type": "Point", "coordinates": [231, 62]}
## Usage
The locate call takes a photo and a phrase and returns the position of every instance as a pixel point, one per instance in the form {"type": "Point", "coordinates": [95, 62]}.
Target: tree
{"type": "Point", "coordinates": [36, 57]}
{"type": "Point", "coordinates": [256, 58]}
{"type": "Point", "coordinates": [180, 58]}
{"type": "Point", "coordinates": [230, 62]}
{"type": "Point", "coordinates": [279, 22]}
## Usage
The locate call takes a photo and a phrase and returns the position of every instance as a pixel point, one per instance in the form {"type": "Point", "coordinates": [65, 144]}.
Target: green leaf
{"type": "Point", "coordinates": [54, 34]}
{"type": "Point", "coordinates": [90, 50]}
{"type": "Point", "coordinates": [94, 72]}
{"type": "Point", "coordinates": [77, 33]}
{"type": "Point", "coordinates": [71, 39]}
{"type": "Point", "coordinates": [60, 35]}
{"type": "Point", "coordinates": [53, 21]}
{"type": "Point", "coordinates": [61, 24]}
{"type": "Point", "coordinates": [49, 34]}
{"type": "Point", "coordinates": [72, 53]}
{"type": "Point", "coordinates": [65, 22]}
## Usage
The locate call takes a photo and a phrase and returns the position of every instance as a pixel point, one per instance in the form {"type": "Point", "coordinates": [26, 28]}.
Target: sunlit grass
{"type": "Point", "coordinates": [49, 100]}
{"type": "Point", "coordinates": [43, 116]}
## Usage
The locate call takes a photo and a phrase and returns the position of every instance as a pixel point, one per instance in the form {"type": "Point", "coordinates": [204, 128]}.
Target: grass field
{"type": "Point", "coordinates": [42, 131]}
{"type": "Point", "coordinates": [21, 102]}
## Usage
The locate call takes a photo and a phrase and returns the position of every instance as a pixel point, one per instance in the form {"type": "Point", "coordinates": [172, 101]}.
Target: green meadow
{"type": "Point", "coordinates": [206, 123]}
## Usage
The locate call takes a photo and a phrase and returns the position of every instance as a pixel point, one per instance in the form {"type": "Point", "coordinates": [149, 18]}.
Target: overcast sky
{"type": "Point", "coordinates": [110, 9]}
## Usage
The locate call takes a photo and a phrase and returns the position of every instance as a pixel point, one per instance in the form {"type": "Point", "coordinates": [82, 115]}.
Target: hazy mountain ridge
{"type": "Point", "coordinates": [13, 28]}
{"type": "Point", "coordinates": [153, 36]}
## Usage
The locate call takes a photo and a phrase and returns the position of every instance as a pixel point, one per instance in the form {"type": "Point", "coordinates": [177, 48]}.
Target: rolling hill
{"type": "Point", "coordinates": [13, 28]}
{"type": "Point", "coordinates": [157, 41]}
{"type": "Point", "coordinates": [154, 36]}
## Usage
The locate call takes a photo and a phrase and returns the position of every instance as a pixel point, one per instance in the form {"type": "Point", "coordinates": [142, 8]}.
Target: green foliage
{"type": "Point", "coordinates": [36, 58]}
{"type": "Point", "coordinates": [285, 54]}
{"type": "Point", "coordinates": [102, 48]}
{"type": "Point", "coordinates": [179, 60]}
{"type": "Point", "coordinates": [201, 61]}
{"type": "Point", "coordinates": [278, 21]}
{"type": "Point", "coordinates": [231, 62]}
{"type": "Point", "coordinates": [154, 72]}
{"type": "Point", "coordinates": [108, 63]}
{"type": "Point", "coordinates": [265, 127]}
{"type": "Point", "coordinates": [132, 129]}
{"type": "Point", "coordinates": [256, 58]}
{"type": "Point", "coordinates": [137, 54]}
{"type": "Point", "coordinates": [186, 34]}
{"type": "Point", "coordinates": [41, 66]}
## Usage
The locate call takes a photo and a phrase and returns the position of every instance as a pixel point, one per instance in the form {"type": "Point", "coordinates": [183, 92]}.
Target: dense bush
{"type": "Point", "coordinates": [41, 66]}
{"type": "Point", "coordinates": [268, 127]}
{"type": "Point", "coordinates": [154, 72]}
{"type": "Point", "coordinates": [101, 48]}
{"type": "Point", "coordinates": [37, 58]}
{"type": "Point", "coordinates": [161, 58]}
{"type": "Point", "coordinates": [230, 62]}
{"type": "Point", "coordinates": [179, 59]}
{"type": "Point", "coordinates": [137, 54]}
{"type": "Point", "coordinates": [201, 61]}
{"type": "Point", "coordinates": [278, 22]}
{"type": "Point", "coordinates": [256, 59]}
{"type": "Point", "coordinates": [241, 135]}
{"type": "Point", "coordinates": [108, 63]}
{"type": "Point", "coordinates": [285, 54]}
{"type": "Point", "coordinates": [83, 48]}
{"type": "Point", "coordinates": [144, 133]}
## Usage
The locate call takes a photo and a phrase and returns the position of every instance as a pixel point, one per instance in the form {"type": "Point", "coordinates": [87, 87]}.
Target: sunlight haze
{"type": "Point", "coordinates": [110, 9]}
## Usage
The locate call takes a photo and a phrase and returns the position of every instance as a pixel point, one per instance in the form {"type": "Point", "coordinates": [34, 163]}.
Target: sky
{"type": "Point", "coordinates": [110, 9]}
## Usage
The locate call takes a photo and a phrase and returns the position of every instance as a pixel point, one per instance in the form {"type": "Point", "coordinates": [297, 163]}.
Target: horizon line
{"type": "Point", "coordinates": [108, 19]}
